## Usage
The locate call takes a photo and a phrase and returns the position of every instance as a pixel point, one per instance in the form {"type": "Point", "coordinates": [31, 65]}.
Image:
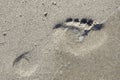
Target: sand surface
{"type": "Point", "coordinates": [27, 26]}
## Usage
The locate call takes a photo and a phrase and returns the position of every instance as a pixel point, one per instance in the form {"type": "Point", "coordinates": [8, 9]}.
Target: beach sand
{"type": "Point", "coordinates": [54, 54]}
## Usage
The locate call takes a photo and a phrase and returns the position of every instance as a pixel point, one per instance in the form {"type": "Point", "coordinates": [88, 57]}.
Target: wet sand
{"type": "Point", "coordinates": [27, 25]}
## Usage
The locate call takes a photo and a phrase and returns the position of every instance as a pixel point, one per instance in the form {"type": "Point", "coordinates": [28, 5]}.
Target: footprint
{"type": "Point", "coordinates": [106, 40]}
{"type": "Point", "coordinates": [26, 72]}
{"type": "Point", "coordinates": [79, 36]}
{"type": "Point", "coordinates": [24, 66]}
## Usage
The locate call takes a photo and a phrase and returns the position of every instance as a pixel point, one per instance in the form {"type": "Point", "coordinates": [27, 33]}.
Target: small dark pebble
{"type": "Point", "coordinates": [83, 21]}
{"type": "Point", "coordinates": [45, 14]}
{"type": "Point", "coordinates": [97, 27]}
{"type": "Point", "coordinates": [85, 32]}
{"type": "Point", "coordinates": [4, 34]}
{"type": "Point", "coordinates": [20, 15]}
{"type": "Point", "coordinates": [89, 22]}
{"type": "Point", "coordinates": [43, 4]}
{"type": "Point", "coordinates": [76, 20]}
{"type": "Point", "coordinates": [54, 3]}
{"type": "Point", "coordinates": [57, 26]}
{"type": "Point", "coordinates": [69, 20]}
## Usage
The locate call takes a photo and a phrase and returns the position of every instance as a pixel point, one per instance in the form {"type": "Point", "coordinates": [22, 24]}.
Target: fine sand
{"type": "Point", "coordinates": [56, 54]}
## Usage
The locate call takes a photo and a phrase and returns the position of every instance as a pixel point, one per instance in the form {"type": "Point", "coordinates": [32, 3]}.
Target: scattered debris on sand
{"type": "Point", "coordinates": [45, 14]}
{"type": "Point", "coordinates": [54, 3]}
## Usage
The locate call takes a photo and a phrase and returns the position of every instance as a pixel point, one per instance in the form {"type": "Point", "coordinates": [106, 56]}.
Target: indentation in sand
{"type": "Point", "coordinates": [68, 41]}
{"type": "Point", "coordinates": [91, 42]}
{"type": "Point", "coordinates": [28, 72]}
{"type": "Point", "coordinates": [25, 69]}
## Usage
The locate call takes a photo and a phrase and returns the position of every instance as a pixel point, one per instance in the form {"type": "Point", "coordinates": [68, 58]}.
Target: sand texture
{"type": "Point", "coordinates": [31, 49]}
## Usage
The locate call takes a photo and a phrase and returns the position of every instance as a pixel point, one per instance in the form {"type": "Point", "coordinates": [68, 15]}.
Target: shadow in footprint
{"type": "Point", "coordinates": [22, 56]}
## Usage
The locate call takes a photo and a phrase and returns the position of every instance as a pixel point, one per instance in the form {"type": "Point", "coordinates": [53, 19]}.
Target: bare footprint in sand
{"type": "Point", "coordinates": [103, 63]}
{"type": "Point", "coordinates": [79, 37]}
{"type": "Point", "coordinates": [74, 36]}
{"type": "Point", "coordinates": [23, 65]}
{"type": "Point", "coordinates": [25, 70]}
